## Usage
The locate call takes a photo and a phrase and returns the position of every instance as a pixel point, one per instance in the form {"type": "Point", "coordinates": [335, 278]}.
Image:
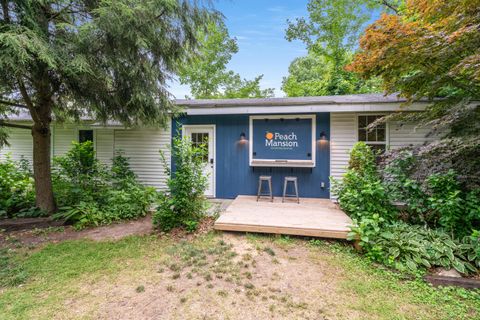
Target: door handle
{"type": "Point", "coordinates": [211, 161]}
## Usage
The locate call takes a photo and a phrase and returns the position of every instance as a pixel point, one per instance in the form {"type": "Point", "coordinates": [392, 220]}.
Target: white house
{"type": "Point", "coordinates": [308, 137]}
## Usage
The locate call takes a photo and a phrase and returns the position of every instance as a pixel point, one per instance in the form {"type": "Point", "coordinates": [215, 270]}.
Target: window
{"type": "Point", "coordinates": [376, 138]}
{"type": "Point", "coordinates": [200, 140]}
{"type": "Point", "coordinates": [85, 135]}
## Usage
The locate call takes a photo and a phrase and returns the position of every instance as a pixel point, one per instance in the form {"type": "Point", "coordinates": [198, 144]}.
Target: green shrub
{"type": "Point", "coordinates": [91, 194]}
{"type": "Point", "coordinates": [129, 203]}
{"type": "Point", "coordinates": [121, 172]}
{"type": "Point", "coordinates": [17, 191]}
{"type": "Point", "coordinates": [448, 204]}
{"type": "Point", "coordinates": [361, 192]}
{"type": "Point", "coordinates": [81, 215]}
{"type": "Point", "coordinates": [439, 201]}
{"type": "Point", "coordinates": [185, 203]}
{"type": "Point", "coordinates": [403, 189]}
{"type": "Point", "coordinates": [415, 248]}
{"type": "Point", "coordinates": [79, 176]}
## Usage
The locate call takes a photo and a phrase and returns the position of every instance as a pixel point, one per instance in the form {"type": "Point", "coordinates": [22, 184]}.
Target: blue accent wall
{"type": "Point", "coordinates": [234, 176]}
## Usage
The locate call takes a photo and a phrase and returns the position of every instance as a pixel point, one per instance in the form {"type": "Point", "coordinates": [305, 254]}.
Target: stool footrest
{"type": "Point", "coordinates": [260, 192]}
{"type": "Point", "coordinates": [295, 184]}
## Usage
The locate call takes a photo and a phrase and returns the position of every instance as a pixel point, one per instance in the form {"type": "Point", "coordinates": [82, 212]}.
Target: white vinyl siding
{"type": "Point", "coordinates": [21, 144]}
{"type": "Point", "coordinates": [343, 135]}
{"type": "Point", "coordinates": [402, 135]}
{"type": "Point", "coordinates": [104, 145]}
{"type": "Point", "coordinates": [63, 137]}
{"type": "Point", "coordinates": [141, 147]}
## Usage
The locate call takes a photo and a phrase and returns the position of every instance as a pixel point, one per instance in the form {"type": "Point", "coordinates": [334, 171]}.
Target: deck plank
{"type": "Point", "coordinates": [312, 217]}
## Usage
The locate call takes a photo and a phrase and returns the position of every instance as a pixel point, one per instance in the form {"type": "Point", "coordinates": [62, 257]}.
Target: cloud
{"type": "Point", "coordinates": [277, 9]}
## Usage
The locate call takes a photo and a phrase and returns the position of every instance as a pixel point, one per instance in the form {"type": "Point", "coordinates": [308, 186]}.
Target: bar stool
{"type": "Point", "coordinates": [268, 179]}
{"type": "Point", "coordinates": [285, 183]}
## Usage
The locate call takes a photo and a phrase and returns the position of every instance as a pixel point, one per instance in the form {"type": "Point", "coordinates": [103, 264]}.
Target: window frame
{"type": "Point", "coordinates": [311, 163]}
{"type": "Point", "coordinates": [387, 130]}
{"type": "Point", "coordinates": [94, 135]}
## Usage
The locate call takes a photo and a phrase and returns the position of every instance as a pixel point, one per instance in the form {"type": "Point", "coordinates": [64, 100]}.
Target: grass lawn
{"type": "Point", "coordinates": [215, 276]}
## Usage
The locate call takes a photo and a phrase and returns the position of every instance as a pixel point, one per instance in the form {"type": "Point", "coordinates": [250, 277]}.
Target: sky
{"type": "Point", "coordinates": [259, 27]}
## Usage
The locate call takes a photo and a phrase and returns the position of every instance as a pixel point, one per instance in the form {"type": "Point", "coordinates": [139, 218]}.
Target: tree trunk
{"type": "Point", "coordinates": [42, 168]}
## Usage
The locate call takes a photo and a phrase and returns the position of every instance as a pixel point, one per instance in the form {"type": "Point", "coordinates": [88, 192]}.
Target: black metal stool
{"type": "Point", "coordinates": [267, 179]}
{"type": "Point", "coordinates": [286, 181]}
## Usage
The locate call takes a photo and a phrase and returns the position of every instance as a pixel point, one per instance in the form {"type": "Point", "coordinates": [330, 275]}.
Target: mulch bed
{"type": "Point", "coordinates": [33, 232]}
{"type": "Point", "coordinates": [205, 226]}
{"type": "Point", "coordinates": [28, 223]}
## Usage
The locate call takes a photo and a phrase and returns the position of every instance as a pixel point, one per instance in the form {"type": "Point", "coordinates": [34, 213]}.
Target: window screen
{"type": "Point", "coordinates": [200, 140]}
{"type": "Point", "coordinates": [85, 135]}
{"type": "Point", "coordinates": [376, 137]}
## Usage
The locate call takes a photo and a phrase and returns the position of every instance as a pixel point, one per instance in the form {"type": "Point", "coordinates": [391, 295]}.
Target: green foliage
{"type": "Point", "coordinates": [91, 194]}
{"type": "Point", "coordinates": [81, 215]}
{"type": "Point", "coordinates": [112, 58]}
{"type": "Point", "coordinates": [414, 248]}
{"type": "Point", "coordinates": [404, 189]}
{"type": "Point", "coordinates": [78, 175]}
{"type": "Point", "coordinates": [440, 201]}
{"type": "Point", "coordinates": [206, 71]}
{"type": "Point", "coordinates": [108, 60]}
{"type": "Point", "coordinates": [315, 75]}
{"type": "Point", "coordinates": [121, 168]}
{"type": "Point", "coordinates": [361, 192]}
{"type": "Point", "coordinates": [430, 50]}
{"type": "Point", "coordinates": [11, 272]}
{"type": "Point", "coordinates": [16, 189]}
{"type": "Point", "coordinates": [184, 204]}
{"type": "Point", "coordinates": [330, 33]}
{"type": "Point", "coordinates": [446, 202]}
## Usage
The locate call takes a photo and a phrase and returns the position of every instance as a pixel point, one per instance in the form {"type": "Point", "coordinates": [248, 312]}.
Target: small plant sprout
{"type": "Point", "coordinates": [269, 251]}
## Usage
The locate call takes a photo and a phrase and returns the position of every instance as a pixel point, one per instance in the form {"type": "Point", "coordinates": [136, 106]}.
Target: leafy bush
{"type": "Point", "coordinates": [361, 192]}
{"type": "Point", "coordinates": [91, 194]}
{"type": "Point", "coordinates": [439, 201]}
{"type": "Point", "coordinates": [17, 191]}
{"type": "Point", "coordinates": [185, 203]}
{"type": "Point", "coordinates": [79, 176]}
{"type": "Point", "coordinates": [412, 248]}
{"type": "Point", "coordinates": [403, 189]}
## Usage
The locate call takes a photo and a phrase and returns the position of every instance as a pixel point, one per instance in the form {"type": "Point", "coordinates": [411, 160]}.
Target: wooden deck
{"type": "Point", "coordinates": [312, 217]}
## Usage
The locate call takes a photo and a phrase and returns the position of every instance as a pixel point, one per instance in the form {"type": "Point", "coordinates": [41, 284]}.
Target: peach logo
{"type": "Point", "coordinates": [269, 135]}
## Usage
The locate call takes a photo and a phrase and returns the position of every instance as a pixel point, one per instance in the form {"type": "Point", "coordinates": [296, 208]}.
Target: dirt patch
{"type": "Point", "coordinates": [204, 226]}
{"type": "Point", "coordinates": [226, 277]}
{"type": "Point", "coordinates": [61, 233]}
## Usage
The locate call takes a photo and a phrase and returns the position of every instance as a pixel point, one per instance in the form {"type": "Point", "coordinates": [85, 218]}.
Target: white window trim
{"type": "Point", "coordinates": [283, 163]}
{"type": "Point", "coordinates": [387, 130]}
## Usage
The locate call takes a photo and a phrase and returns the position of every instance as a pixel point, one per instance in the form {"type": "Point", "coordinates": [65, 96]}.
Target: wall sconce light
{"type": "Point", "coordinates": [242, 136]}
{"type": "Point", "coordinates": [323, 135]}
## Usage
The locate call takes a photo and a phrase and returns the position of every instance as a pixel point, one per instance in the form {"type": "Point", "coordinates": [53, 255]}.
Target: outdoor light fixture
{"type": "Point", "coordinates": [242, 136]}
{"type": "Point", "coordinates": [323, 135]}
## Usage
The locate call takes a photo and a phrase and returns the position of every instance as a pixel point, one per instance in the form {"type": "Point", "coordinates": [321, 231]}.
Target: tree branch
{"type": "Point", "coordinates": [28, 101]}
{"type": "Point", "coordinates": [13, 104]}
{"type": "Point", "coordinates": [14, 125]}
{"type": "Point", "coordinates": [389, 5]}
{"type": "Point", "coordinates": [5, 11]}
